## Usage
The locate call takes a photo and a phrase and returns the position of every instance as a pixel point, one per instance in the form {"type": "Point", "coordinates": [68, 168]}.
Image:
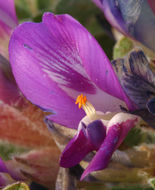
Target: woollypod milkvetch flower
{"type": "Point", "coordinates": [96, 131]}
{"type": "Point", "coordinates": [133, 18]}
{"type": "Point", "coordinates": [56, 60]}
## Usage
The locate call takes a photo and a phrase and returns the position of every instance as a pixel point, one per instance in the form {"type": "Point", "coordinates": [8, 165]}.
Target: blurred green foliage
{"type": "Point", "coordinates": [7, 150]}
{"type": "Point", "coordinates": [82, 10]}
{"type": "Point", "coordinates": [122, 47]}
{"type": "Point", "coordinates": [139, 135]}
{"type": "Point", "coordinates": [152, 183]}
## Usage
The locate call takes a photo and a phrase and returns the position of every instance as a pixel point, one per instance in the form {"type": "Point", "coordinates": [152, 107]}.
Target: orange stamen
{"type": "Point", "coordinates": [81, 100]}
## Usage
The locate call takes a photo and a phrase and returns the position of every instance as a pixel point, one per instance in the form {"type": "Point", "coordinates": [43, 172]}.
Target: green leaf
{"type": "Point", "coordinates": [17, 186]}
{"type": "Point", "coordinates": [152, 183]}
{"type": "Point", "coordinates": [122, 47]}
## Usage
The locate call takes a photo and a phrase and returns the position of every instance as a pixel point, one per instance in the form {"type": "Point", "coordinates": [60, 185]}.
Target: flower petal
{"type": "Point", "coordinates": [8, 90]}
{"type": "Point", "coordinates": [3, 167]}
{"type": "Point", "coordinates": [126, 122]}
{"type": "Point", "coordinates": [103, 155]}
{"type": "Point", "coordinates": [132, 18]}
{"type": "Point", "coordinates": [117, 129]}
{"type": "Point", "coordinates": [8, 21]}
{"type": "Point", "coordinates": [76, 149]}
{"type": "Point", "coordinates": [8, 13]}
{"type": "Point", "coordinates": [112, 14]}
{"type": "Point", "coordinates": [96, 133]}
{"type": "Point", "coordinates": [136, 77]}
{"type": "Point", "coordinates": [57, 51]}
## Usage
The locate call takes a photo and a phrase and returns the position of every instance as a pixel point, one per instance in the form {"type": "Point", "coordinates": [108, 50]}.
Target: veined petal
{"type": "Point", "coordinates": [132, 18]}
{"type": "Point", "coordinates": [58, 51]}
{"type": "Point", "coordinates": [76, 150]}
{"type": "Point", "coordinates": [8, 13]}
{"type": "Point", "coordinates": [8, 21]}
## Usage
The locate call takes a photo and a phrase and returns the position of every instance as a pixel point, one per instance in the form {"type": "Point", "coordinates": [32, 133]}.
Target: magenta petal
{"type": "Point", "coordinates": [93, 58]}
{"type": "Point", "coordinates": [8, 21]}
{"type": "Point", "coordinates": [8, 13]}
{"type": "Point", "coordinates": [3, 167]}
{"type": "Point", "coordinates": [48, 61]}
{"type": "Point", "coordinates": [125, 128]}
{"type": "Point", "coordinates": [76, 150]}
{"type": "Point", "coordinates": [103, 155]}
{"type": "Point", "coordinates": [3, 180]}
{"type": "Point", "coordinates": [8, 90]}
{"type": "Point", "coordinates": [152, 5]}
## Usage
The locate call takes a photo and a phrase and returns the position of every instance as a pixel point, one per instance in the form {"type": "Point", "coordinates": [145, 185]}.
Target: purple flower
{"type": "Point", "coordinates": [135, 19]}
{"type": "Point", "coordinates": [100, 132]}
{"type": "Point", "coordinates": [8, 89]}
{"type": "Point", "coordinates": [58, 59]}
{"type": "Point", "coordinates": [55, 61]}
